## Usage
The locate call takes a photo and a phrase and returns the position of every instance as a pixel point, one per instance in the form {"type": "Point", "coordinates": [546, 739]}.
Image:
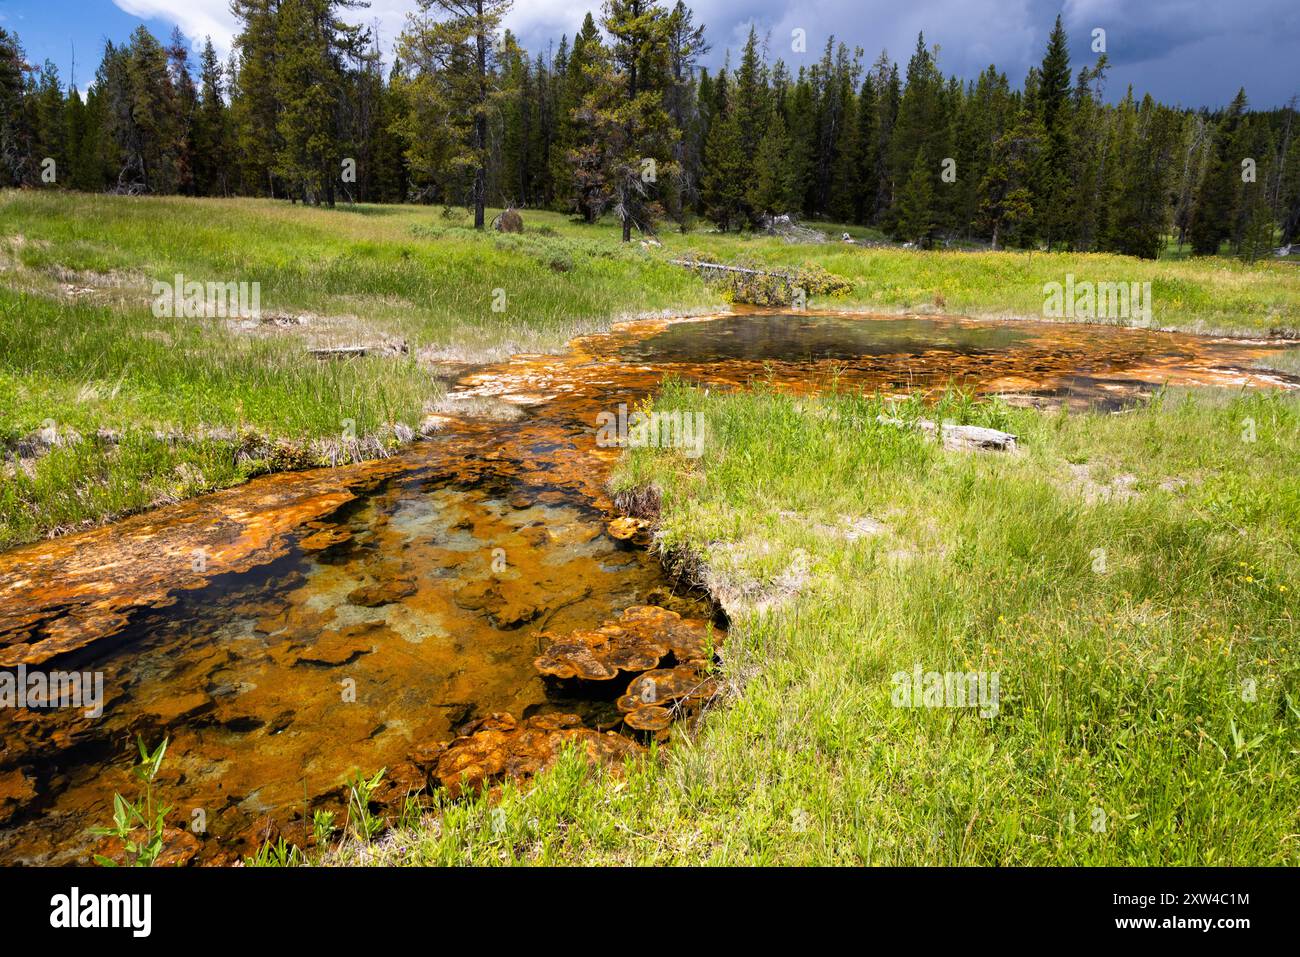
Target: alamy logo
{"type": "Point", "coordinates": [57, 689]}
{"type": "Point", "coordinates": [653, 430]}
{"type": "Point", "coordinates": [214, 300]}
{"type": "Point", "coordinates": [947, 689]}
{"type": "Point", "coordinates": [103, 910]}
{"type": "Point", "coordinates": [1100, 300]}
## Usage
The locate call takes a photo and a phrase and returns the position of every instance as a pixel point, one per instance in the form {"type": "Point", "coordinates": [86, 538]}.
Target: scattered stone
{"type": "Point", "coordinates": [400, 782]}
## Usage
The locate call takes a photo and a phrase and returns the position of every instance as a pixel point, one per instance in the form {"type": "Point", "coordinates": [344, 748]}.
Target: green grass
{"type": "Point", "coordinates": [80, 348]}
{"type": "Point", "coordinates": [401, 270]}
{"type": "Point", "coordinates": [1145, 640]}
{"type": "Point", "coordinates": [1288, 361]}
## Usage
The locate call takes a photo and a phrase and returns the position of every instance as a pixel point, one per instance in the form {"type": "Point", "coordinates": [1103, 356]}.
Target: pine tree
{"type": "Point", "coordinates": [1006, 199]}
{"type": "Point", "coordinates": [686, 44]}
{"type": "Point", "coordinates": [185, 103]}
{"type": "Point", "coordinates": [454, 97]}
{"type": "Point", "coordinates": [626, 110]}
{"type": "Point", "coordinates": [801, 122]}
{"type": "Point", "coordinates": [886, 81]}
{"type": "Point", "coordinates": [74, 125]}
{"type": "Point", "coordinates": [773, 177]}
{"type": "Point", "coordinates": [845, 197]}
{"type": "Point", "coordinates": [16, 133]}
{"type": "Point", "coordinates": [252, 85]}
{"type": "Point", "coordinates": [833, 81]}
{"type": "Point", "coordinates": [1052, 186]}
{"type": "Point", "coordinates": [311, 44]}
{"type": "Point", "coordinates": [141, 116]}
{"type": "Point", "coordinates": [723, 188]}
{"type": "Point", "coordinates": [863, 151]}
{"type": "Point", "coordinates": [212, 134]}
{"type": "Point", "coordinates": [1083, 195]}
{"type": "Point", "coordinates": [51, 122]}
{"type": "Point", "coordinates": [1289, 185]}
{"type": "Point", "coordinates": [582, 64]}
{"type": "Point", "coordinates": [91, 166]}
{"type": "Point", "coordinates": [1143, 206]}
{"type": "Point", "coordinates": [1212, 213]}
{"type": "Point", "coordinates": [916, 203]}
{"type": "Point", "coordinates": [749, 104]}
{"type": "Point", "coordinates": [919, 127]}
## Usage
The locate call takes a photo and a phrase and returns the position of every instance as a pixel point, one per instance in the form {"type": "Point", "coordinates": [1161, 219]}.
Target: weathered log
{"type": "Point", "coordinates": [338, 352]}
{"type": "Point", "coordinates": [719, 267]}
{"type": "Point", "coordinates": [961, 437]}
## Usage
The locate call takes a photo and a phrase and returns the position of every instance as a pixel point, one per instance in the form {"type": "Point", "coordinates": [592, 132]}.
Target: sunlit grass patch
{"type": "Point", "coordinates": [1149, 706]}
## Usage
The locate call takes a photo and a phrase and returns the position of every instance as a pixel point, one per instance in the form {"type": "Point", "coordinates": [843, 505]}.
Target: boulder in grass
{"type": "Point", "coordinates": [510, 221]}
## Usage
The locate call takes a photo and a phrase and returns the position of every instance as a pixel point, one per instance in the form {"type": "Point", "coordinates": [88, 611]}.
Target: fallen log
{"type": "Point", "coordinates": [719, 267]}
{"type": "Point", "coordinates": [961, 437]}
{"type": "Point", "coordinates": [337, 352]}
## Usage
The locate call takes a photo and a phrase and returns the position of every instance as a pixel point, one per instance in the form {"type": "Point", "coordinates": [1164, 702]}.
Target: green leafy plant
{"type": "Point", "coordinates": [144, 814]}
{"type": "Point", "coordinates": [278, 854]}
{"type": "Point", "coordinates": [322, 826]}
{"type": "Point", "coordinates": [362, 822]}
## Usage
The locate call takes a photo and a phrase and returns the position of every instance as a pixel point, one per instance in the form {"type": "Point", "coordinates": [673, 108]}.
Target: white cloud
{"type": "Point", "coordinates": [536, 21]}
{"type": "Point", "coordinates": [196, 18]}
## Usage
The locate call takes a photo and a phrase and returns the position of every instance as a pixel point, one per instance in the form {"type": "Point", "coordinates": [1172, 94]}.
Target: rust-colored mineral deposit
{"type": "Point", "coordinates": [498, 747]}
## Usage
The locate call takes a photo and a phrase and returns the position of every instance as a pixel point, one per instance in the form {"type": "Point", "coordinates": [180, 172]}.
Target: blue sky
{"type": "Point", "coordinates": [1188, 52]}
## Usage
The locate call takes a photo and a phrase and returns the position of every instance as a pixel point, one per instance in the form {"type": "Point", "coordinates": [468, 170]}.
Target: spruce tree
{"type": "Point", "coordinates": [1213, 212]}
{"type": "Point", "coordinates": [916, 203]}
{"type": "Point", "coordinates": [773, 177]}
{"type": "Point", "coordinates": [1006, 197]}
{"type": "Point", "coordinates": [51, 122]}
{"type": "Point", "coordinates": [212, 146]}
{"type": "Point", "coordinates": [724, 187]}
{"type": "Point", "coordinates": [1052, 186]}
{"type": "Point", "coordinates": [573, 147]}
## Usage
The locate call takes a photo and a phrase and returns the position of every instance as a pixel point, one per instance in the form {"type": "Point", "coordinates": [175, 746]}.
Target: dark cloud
{"type": "Point", "coordinates": [1192, 52]}
{"type": "Point", "coordinates": [1189, 52]}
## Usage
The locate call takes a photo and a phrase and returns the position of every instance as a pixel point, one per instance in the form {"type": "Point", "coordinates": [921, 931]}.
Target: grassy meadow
{"type": "Point", "coordinates": [108, 409]}
{"type": "Point", "coordinates": [1131, 579]}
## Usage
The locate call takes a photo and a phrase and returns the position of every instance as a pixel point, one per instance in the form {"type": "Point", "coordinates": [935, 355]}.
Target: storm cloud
{"type": "Point", "coordinates": [1189, 52]}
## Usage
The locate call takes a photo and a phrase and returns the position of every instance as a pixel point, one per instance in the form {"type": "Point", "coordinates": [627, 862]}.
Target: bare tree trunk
{"type": "Point", "coordinates": [480, 122]}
